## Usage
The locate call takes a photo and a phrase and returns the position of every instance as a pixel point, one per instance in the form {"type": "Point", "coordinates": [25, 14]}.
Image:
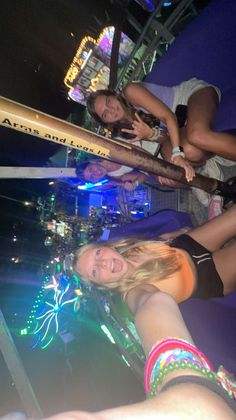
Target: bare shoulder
{"type": "Point", "coordinates": [132, 91]}
{"type": "Point", "coordinates": [138, 296]}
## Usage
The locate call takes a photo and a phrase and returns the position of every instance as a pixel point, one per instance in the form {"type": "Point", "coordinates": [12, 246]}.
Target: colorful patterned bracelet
{"type": "Point", "coordinates": [156, 384]}
{"type": "Point", "coordinates": [173, 354]}
{"type": "Point", "coordinates": [222, 378]}
{"type": "Point", "coordinates": [172, 344]}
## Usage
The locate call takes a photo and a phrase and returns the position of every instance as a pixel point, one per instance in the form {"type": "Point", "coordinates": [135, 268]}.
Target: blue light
{"type": "Point", "coordinates": [167, 3]}
{"type": "Point", "coordinates": [89, 185]}
{"type": "Point", "coordinates": [150, 6]}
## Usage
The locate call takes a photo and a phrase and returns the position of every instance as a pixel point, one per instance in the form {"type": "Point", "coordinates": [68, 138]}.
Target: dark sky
{"type": "Point", "coordinates": [39, 39]}
{"type": "Point", "coordinates": [36, 49]}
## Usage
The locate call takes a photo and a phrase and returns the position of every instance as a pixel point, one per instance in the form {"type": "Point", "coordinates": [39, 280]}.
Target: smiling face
{"type": "Point", "coordinates": [94, 172]}
{"type": "Point", "coordinates": [102, 265]}
{"type": "Point", "coordinates": [108, 108]}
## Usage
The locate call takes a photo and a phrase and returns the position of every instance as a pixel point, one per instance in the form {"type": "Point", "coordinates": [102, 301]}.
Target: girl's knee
{"type": "Point", "coordinates": [199, 136]}
{"type": "Point", "coordinates": [195, 155]}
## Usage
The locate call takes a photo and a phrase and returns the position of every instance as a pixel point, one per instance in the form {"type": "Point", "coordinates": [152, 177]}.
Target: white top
{"type": "Point", "coordinates": [121, 171]}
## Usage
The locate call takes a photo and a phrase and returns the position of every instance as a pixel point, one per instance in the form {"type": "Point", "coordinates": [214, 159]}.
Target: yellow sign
{"type": "Point", "coordinates": [29, 121]}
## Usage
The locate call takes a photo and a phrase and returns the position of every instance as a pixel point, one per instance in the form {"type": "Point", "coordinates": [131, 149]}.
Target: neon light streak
{"type": "Point", "coordinates": [108, 334]}
{"type": "Point", "coordinates": [49, 316]}
{"type": "Point", "coordinates": [46, 345]}
{"type": "Point", "coordinates": [52, 313]}
{"type": "Point", "coordinates": [48, 326]}
{"type": "Point", "coordinates": [125, 360]}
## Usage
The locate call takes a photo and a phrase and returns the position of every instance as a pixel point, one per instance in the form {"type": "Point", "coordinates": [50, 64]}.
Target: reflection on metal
{"type": "Point", "coordinates": [126, 341]}
{"type": "Point", "coordinates": [17, 371]}
{"type": "Point", "coordinates": [8, 172]}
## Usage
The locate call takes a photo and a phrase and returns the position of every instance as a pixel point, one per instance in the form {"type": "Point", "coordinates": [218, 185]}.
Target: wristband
{"type": "Point", "coordinates": [177, 149]}
{"type": "Point", "coordinates": [156, 133]}
{"type": "Point", "coordinates": [177, 154]}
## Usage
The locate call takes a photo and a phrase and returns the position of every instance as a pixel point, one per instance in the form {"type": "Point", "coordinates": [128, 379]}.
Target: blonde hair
{"type": "Point", "coordinates": [164, 262]}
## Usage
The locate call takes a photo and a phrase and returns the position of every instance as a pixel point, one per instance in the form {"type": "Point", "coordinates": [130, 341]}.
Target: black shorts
{"type": "Point", "coordinates": [209, 283]}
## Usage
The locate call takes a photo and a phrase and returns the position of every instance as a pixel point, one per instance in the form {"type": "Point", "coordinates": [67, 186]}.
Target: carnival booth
{"type": "Point", "coordinates": [90, 68]}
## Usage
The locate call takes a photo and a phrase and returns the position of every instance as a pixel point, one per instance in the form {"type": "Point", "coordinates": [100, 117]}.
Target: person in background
{"type": "Point", "coordinates": [179, 118]}
{"type": "Point", "coordinates": [119, 174]}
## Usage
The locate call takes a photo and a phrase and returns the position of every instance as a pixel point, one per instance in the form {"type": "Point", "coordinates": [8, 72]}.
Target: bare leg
{"type": "Point", "coordinates": [193, 154]}
{"type": "Point", "coordinates": [215, 233]}
{"type": "Point", "coordinates": [202, 107]}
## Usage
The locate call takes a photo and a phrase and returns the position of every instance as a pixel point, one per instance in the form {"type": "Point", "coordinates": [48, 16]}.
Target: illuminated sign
{"type": "Point", "coordinates": [89, 70]}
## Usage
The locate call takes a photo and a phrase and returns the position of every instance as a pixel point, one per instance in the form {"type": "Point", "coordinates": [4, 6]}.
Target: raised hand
{"type": "Point", "coordinates": [141, 130]}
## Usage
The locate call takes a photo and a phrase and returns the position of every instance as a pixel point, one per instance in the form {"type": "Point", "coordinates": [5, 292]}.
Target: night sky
{"type": "Point", "coordinates": [38, 41]}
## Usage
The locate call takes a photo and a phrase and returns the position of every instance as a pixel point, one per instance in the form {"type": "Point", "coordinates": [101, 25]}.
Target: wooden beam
{"type": "Point", "coordinates": [30, 121]}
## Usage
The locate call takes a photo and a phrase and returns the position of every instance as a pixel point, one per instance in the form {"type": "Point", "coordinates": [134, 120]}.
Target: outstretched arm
{"type": "Point", "coordinates": [185, 402]}
{"type": "Point", "coordinates": [157, 316]}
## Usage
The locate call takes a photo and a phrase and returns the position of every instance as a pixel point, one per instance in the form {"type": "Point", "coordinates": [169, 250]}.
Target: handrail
{"type": "Point", "coordinates": [138, 44]}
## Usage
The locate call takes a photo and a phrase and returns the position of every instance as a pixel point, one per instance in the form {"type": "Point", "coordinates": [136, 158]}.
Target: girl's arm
{"type": "Point", "coordinates": [184, 402]}
{"type": "Point", "coordinates": [132, 180]}
{"type": "Point", "coordinates": [140, 97]}
{"type": "Point", "coordinates": [157, 316]}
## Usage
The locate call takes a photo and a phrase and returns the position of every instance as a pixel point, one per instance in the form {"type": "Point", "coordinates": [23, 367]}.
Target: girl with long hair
{"type": "Point", "coordinates": [146, 112]}
{"type": "Point", "coordinates": [180, 381]}
{"type": "Point", "coordinates": [195, 264]}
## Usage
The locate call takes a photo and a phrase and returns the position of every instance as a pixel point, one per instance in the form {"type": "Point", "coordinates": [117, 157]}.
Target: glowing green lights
{"type": "Point", "coordinates": [125, 360]}
{"type": "Point", "coordinates": [108, 334]}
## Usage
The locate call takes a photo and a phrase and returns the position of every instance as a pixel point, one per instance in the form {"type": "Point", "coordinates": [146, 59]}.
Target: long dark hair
{"type": "Point", "coordinates": [129, 109]}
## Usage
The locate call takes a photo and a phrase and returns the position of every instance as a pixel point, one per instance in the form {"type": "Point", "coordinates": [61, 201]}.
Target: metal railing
{"type": "Point", "coordinates": [134, 68]}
